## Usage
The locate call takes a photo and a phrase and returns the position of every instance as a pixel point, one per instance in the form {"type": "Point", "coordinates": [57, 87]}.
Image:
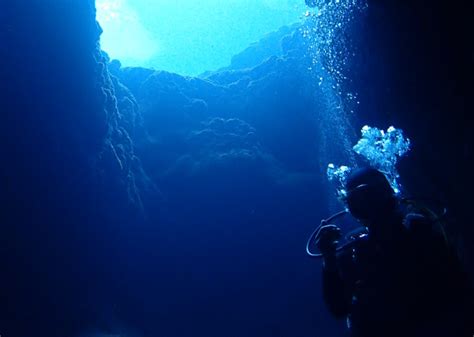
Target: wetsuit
{"type": "Point", "coordinates": [411, 286]}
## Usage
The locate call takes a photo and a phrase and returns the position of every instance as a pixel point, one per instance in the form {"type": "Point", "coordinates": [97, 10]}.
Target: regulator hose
{"type": "Point", "coordinates": [317, 231]}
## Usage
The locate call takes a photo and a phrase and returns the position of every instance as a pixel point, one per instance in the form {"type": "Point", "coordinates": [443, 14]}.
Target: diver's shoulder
{"type": "Point", "coordinates": [416, 222]}
{"type": "Point", "coordinates": [425, 230]}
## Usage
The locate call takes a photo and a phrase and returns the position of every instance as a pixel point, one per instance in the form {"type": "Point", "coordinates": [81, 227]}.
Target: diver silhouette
{"type": "Point", "coordinates": [402, 279]}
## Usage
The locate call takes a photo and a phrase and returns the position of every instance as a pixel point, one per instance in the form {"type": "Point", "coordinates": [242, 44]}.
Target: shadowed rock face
{"type": "Point", "coordinates": [414, 70]}
{"type": "Point", "coordinates": [67, 157]}
{"type": "Point", "coordinates": [276, 97]}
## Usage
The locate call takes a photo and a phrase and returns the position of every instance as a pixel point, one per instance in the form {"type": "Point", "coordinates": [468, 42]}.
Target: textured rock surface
{"type": "Point", "coordinates": [273, 97]}
{"type": "Point", "coordinates": [67, 157]}
{"type": "Point", "coordinates": [414, 70]}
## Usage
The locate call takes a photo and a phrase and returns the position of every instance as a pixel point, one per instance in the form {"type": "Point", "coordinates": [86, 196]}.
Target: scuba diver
{"type": "Point", "coordinates": [399, 279]}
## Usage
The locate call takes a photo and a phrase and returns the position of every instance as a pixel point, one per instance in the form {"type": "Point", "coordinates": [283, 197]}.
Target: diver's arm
{"type": "Point", "coordinates": [334, 290]}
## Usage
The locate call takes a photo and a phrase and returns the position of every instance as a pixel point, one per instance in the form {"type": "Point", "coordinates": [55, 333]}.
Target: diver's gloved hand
{"type": "Point", "coordinates": [328, 239]}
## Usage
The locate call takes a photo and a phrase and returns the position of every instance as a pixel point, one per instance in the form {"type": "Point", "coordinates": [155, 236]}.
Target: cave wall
{"type": "Point", "coordinates": [69, 175]}
{"type": "Point", "coordinates": [414, 70]}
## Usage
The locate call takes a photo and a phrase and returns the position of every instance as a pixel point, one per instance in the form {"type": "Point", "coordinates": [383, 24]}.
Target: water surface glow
{"type": "Point", "coordinates": [186, 36]}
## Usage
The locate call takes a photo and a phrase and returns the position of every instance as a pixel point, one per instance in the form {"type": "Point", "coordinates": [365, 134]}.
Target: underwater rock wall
{"type": "Point", "coordinates": [414, 70]}
{"type": "Point", "coordinates": [69, 175]}
{"type": "Point", "coordinates": [276, 97]}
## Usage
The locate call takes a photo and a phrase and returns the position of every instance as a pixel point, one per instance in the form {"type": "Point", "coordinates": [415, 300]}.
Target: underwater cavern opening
{"type": "Point", "coordinates": [188, 37]}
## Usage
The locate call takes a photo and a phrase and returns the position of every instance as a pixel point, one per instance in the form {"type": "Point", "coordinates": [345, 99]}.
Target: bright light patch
{"type": "Point", "coordinates": [124, 35]}
{"type": "Point", "coordinates": [188, 36]}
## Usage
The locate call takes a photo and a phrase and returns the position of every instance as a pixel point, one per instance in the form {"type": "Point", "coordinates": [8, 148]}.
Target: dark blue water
{"type": "Point", "coordinates": [141, 202]}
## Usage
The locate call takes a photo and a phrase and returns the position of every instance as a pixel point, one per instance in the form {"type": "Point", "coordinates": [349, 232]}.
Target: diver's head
{"type": "Point", "coordinates": [369, 197]}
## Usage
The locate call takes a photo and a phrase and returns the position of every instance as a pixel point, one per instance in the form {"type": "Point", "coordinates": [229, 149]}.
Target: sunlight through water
{"type": "Point", "coordinates": [124, 34]}
{"type": "Point", "coordinates": [185, 36]}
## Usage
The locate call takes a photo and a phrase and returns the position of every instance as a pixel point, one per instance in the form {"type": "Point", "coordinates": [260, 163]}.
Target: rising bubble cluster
{"type": "Point", "coordinates": [381, 149]}
{"type": "Point", "coordinates": [326, 28]}
{"type": "Point", "coordinates": [338, 176]}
